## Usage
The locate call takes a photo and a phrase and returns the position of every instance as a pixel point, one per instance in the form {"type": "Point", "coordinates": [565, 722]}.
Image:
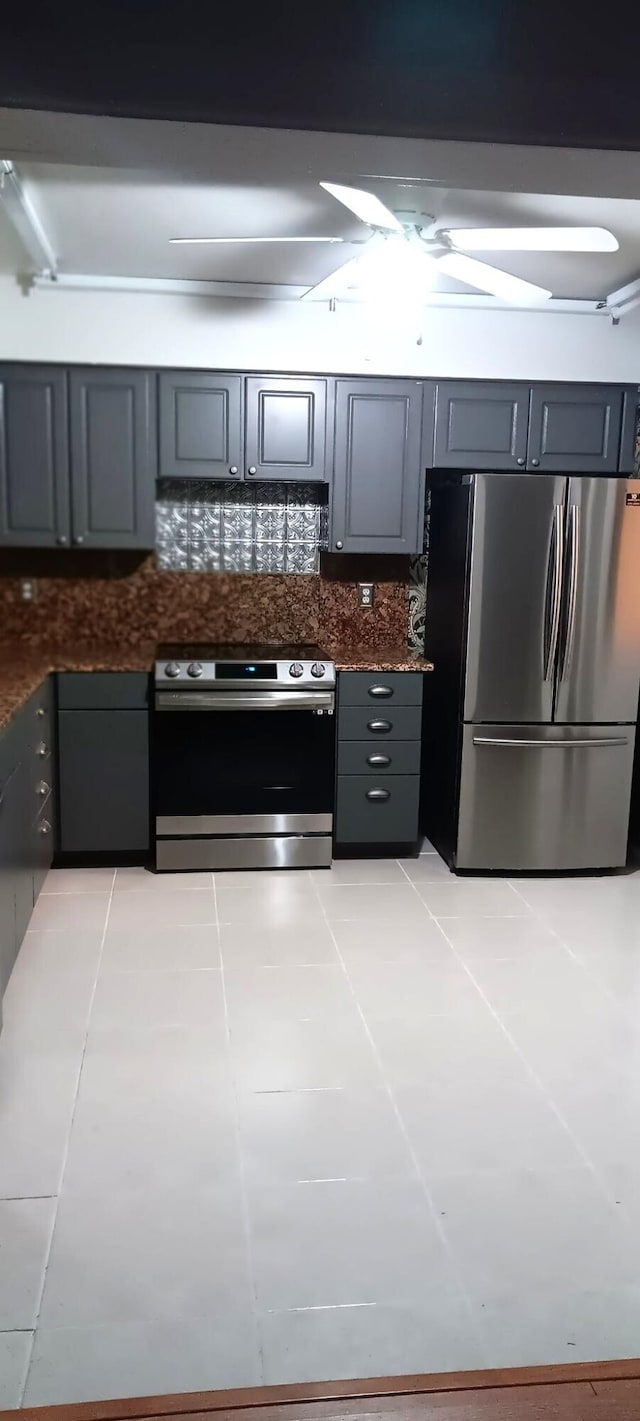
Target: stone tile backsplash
{"type": "Point", "coordinates": [243, 528]}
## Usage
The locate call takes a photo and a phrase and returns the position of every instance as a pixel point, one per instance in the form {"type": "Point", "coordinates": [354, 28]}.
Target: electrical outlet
{"type": "Point", "coordinates": [365, 594]}
{"type": "Point", "coordinates": [27, 589]}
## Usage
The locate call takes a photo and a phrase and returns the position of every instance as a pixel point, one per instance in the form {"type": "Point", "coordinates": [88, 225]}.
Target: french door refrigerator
{"type": "Point", "coordinates": [533, 623]}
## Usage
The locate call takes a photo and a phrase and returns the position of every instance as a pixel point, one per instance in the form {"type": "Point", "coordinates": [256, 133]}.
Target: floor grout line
{"type": "Point", "coordinates": [244, 1199]}
{"type": "Point", "coordinates": [451, 1257]}
{"type": "Point", "coordinates": [68, 1143]}
{"type": "Point", "coordinates": [582, 1152]}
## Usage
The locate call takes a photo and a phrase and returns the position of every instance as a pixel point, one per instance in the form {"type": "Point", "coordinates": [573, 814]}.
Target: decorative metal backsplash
{"type": "Point", "coordinates": [221, 527]}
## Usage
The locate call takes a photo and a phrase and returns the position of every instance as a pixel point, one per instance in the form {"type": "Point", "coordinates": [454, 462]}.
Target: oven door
{"type": "Point", "coordinates": [243, 762]}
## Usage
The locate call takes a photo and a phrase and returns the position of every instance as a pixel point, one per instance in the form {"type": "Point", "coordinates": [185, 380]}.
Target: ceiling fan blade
{"type": "Point", "coordinates": [533, 239]}
{"type": "Point", "coordinates": [222, 241]}
{"type": "Point", "coordinates": [490, 278]}
{"type": "Point", "coordinates": [335, 284]}
{"type": "Point", "coordinates": [365, 205]}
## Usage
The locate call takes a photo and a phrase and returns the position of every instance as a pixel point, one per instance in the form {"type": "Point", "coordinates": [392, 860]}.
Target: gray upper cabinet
{"type": "Point", "coordinates": [34, 456]}
{"type": "Point", "coordinates": [286, 428]}
{"type": "Point", "coordinates": [480, 426]}
{"type": "Point", "coordinates": [379, 466]}
{"type": "Point", "coordinates": [200, 425]}
{"type": "Point", "coordinates": [575, 428]}
{"type": "Point", "coordinates": [112, 458]}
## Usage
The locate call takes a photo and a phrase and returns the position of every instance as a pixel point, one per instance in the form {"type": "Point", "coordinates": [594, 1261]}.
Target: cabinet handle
{"type": "Point", "coordinates": [233, 469]}
{"type": "Point", "coordinates": [379, 762]}
{"type": "Point", "coordinates": [377, 796]}
{"type": "Point", "coordinates": [381, 693]}
{"type": "Point", "coordinates": [535, 463]}
{"type": "Point", "coordinates": [42, 750]}
{"type": "Point", "coordinates": [339, 546]}
{"type": "Point", "coordinates": [252, 469]}
{"type": "Point", "coordinates": [79, 540]}
{"type": "Point", "coordinates": [379, 727]}
{"type": "Point", "coordinates": [45, 827]}
{"type": "Point", "coordinates": [41, 711]}
{"type": "Point", "coordinates": [520, 462]}
{"type": "Point", "coordinates": [43, 788]}
{"type": "Point", "coordinates": [61, 541]}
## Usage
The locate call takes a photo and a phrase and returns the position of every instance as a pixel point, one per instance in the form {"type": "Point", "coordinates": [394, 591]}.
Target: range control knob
{"type": "Point", "coordinates": [318, 669]}
{"type": "Point", "coordinates": [172, 669]}
{"type": "Point", "coordinates": [296, 669]}
{"type": "Point", "coordinates": [195, 669]}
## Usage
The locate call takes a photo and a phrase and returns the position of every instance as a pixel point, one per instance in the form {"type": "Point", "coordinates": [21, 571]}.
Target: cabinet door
{"type": "Point", "coordinates": [286, 423]}
{"type": "Point", "coordinates": [112, 458]}
{"type": "Point", "coordinates": [379, 467]}
{"type": "Point", "coordinates": [34, 456]}
{"type": "Point", "coordinates": [480, 426]}
{"type": "Point", "coordinates": [575, 429]}
{"type": "Point", "coordinates": [200, 425]}
{"type": "Point", "coordinates": [103, 781]}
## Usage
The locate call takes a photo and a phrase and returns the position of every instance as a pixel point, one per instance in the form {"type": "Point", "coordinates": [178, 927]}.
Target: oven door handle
{"type": "Point", "coordinates": [244, 700]}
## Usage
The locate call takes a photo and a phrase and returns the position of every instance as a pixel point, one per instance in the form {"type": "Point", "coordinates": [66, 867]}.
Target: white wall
{"type": "Point", "coordinates": [137, 329]}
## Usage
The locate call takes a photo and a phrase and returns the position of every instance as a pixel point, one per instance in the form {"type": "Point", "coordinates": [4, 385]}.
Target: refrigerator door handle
{"type": "Point", "coordinates": [572, 603]}
{"type": "Point", "coordinates": [555, 552]}
{"type": "Point", "coordinates": [513, 744]}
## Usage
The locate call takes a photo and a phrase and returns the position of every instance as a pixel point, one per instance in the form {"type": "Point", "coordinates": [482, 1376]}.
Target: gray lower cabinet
{"type": "Point", "coordinates": [379, 466]}
{"type": "Point", "coordinates": [34, 456]}
{"type": "Point", "coordinates": [26, 821]}
{"type": "Point", "coordinates": [378, 760]}
{"type": "Point", "coordinates": [113, 458]}
{"type": "Point", "coordinates": [103, 743]}
{"type": "Point", "coordinates": [201, 425]}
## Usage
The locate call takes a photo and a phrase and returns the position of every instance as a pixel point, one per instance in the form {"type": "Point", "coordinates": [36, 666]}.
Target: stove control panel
{"type": "Point", "coordinates": [236, 675]}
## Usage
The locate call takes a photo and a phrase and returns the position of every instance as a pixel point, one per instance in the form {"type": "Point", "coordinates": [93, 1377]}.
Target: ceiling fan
{"type": "Point", "coordinates": [407, 250]}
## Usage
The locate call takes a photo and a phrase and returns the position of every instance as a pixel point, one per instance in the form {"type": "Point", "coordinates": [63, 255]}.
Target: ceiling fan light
{"type": "Point", "coordinates": [222, 241]}
{"type": "Point", "coordinates": [533, 239]}
{"type": "Point", "coordinates": [365, 205]}
{"type": "Point", "coordinates": [491, 279]}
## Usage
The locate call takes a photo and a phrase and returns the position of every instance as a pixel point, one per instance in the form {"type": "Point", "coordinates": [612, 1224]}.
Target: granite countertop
{"type": "Point", "coordinates": [386, 658]}
{"type": "Point", "coordinates": [24, 668]}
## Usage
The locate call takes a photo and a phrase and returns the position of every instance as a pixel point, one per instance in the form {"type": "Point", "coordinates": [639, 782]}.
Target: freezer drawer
{"type": "Point", "coordinates": [544, 797]}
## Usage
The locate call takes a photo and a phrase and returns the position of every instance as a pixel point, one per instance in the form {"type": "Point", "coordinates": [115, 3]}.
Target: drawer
{"type": "Point", "coordinates": [103, 690]}
{"type": "Point", "coordinates": [360, 757]}
{"type": "Point", "coordinates": [363, 688]}
{"type": "Point", "coordinates": [383, 722]}
{"type": "Point", "coordinates": [374, 809]}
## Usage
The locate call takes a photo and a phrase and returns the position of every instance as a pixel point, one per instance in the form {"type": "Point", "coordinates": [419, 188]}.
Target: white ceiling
{"type": "Point", "coordinates": [109, 218]}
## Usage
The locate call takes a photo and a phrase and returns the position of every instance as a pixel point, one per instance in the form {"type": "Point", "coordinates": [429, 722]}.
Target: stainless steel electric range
{"type": "Point", "coordinates": [243, 757]}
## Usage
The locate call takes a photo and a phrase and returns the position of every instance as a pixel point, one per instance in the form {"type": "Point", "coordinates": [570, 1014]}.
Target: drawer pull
{"type": "Point", "coordinates": [41, 712]}
{"type": "Point", "coordinates": [377, 796]}
{"type": "Point", "coordinates": [43, 750]}
{"type": "Point", "coordinates": [381, 693]}
{"type": "Point", "coordinates": [380, 727]}
{"type": "Point", "coordinates": [379, 762]}
{"type": "Point", "coordinates": [45, 827]}
{"type": "Point", "coordinates": [43, 788]}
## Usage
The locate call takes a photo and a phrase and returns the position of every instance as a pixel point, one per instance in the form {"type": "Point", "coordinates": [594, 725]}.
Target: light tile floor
{"type": "Point", "coordinates": [281, 1127]}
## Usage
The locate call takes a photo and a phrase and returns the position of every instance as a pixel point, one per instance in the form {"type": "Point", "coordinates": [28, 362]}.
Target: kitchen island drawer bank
{"type": "Point", "coordinates": [378, 761]}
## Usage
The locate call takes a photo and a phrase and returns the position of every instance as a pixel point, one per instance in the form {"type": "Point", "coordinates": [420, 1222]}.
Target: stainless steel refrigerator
{"type": "Point", "coordinates": [533, 623]}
